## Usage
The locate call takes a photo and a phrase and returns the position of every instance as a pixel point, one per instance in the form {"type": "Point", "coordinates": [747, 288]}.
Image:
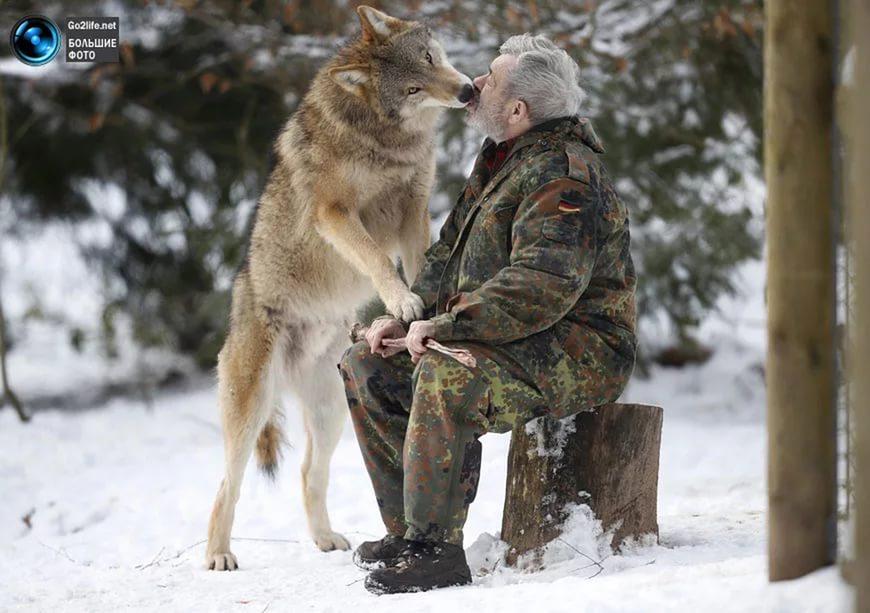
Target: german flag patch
{"type": "Point", "coordinates": [568, 207]}
{"type": "Point", "coordinates": [571, 200]}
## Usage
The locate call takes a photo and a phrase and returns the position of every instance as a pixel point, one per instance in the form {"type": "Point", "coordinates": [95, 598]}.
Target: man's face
{"type": "Point", "coordinates": [488, 112]}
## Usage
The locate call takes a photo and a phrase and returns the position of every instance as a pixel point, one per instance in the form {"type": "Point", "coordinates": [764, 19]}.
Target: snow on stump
{"type": "Point", "coordinates": [607, 458]}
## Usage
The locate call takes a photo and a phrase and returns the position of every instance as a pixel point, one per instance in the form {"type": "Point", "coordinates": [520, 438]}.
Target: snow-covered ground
{"type": "Point", "coordinates": [107, 509]}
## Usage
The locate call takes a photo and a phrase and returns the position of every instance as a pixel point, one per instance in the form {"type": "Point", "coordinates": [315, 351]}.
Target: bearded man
{"type": "Point", "coordinates": [531, 274]}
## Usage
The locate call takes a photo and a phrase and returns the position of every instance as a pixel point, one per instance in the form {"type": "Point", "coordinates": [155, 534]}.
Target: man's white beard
{"type": "Point", "coordinates": [486, 121]}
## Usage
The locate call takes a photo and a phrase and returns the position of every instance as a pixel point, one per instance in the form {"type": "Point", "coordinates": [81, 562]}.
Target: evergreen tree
{"type": "Point", "coordinates": [182, 129]}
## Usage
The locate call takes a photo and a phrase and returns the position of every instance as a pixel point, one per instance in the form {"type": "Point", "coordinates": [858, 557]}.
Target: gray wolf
{"type": "Point", "coordinates": [349, 192]}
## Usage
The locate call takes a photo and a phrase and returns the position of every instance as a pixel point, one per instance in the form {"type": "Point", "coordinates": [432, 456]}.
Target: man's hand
{"type": "Point", "coordinates": [381, 329]}
{"type": "Point", "coordinates": [417, 335]}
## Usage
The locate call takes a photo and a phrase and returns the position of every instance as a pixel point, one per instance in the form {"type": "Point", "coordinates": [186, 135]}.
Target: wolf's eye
{"type": "Point", "coordinates": [429, 57]}
{"type": "Point", "coordinates": [413, 90]}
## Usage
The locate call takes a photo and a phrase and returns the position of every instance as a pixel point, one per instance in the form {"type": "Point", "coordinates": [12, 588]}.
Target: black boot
{"type": "Point", "coordinates": [421, 567]}
{"type": "Point", "coordinates": [378, 554]}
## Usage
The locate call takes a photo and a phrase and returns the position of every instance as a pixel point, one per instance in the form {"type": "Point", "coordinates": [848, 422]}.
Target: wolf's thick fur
{"type": "Point", "coordinates": [355, 165]}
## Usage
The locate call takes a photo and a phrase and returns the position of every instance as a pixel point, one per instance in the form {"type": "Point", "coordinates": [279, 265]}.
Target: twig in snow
{"type": "Point", "coordinates": [242, 538]}
{"type": "Point", "coordinates": [600, 570]}
{"type": "Point", "coordinates": [593, 564]}
{"type": "Point", "coordinates": [589, 565]}
{"type": "Point", "coordinates": [570, 546]}
{"type": "Point", "coordinates": [588, 557]}
{"type": "Point", "coordinates": [484, 571]}
{"type": "Point", "coordinates": [158, 562]}
{"type": "Point", "coordinates": [189, 547]}
{"type": "Point", "coordinates": [152, 562]}
{"type": "Point", "coordinates": [62, 552]}
{"type": "Point", "coordinates": [352, 582]}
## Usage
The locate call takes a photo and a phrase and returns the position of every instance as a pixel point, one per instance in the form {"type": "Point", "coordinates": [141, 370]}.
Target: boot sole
{"type": "Point", "coordinates": [452, 580]}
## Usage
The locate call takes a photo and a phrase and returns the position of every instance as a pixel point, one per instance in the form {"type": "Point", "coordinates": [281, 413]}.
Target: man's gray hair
{"type": "Point", "coordinates": [546, 78]}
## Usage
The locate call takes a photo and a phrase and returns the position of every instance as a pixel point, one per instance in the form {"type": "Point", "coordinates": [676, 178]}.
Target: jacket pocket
{"type": "Point", "coordinates": [561, 232]}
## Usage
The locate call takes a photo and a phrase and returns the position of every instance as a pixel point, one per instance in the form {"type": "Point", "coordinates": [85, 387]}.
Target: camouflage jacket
{"type": "Point", "coordinates": [534, 262]}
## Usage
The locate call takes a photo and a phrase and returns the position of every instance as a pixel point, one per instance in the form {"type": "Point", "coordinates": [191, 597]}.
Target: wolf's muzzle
{"type": "Point", "coordinates": [466, 94]}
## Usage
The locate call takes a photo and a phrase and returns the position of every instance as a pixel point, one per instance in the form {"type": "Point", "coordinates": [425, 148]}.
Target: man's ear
{"type": "Point", "coordinates": [376, 26]}
{"type": "Point", "coordinates": [351, 77]}
{"type": "Point", "coordinates": [519, 112]}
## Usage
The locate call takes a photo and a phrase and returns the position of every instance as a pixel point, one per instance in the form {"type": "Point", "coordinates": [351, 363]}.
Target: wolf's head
{"type": "Point", "coordinates": [400, 69]}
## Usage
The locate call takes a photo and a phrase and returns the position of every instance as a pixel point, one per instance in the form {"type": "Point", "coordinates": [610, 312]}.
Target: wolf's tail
{"type": "Point", "coordinates": [269, 447]}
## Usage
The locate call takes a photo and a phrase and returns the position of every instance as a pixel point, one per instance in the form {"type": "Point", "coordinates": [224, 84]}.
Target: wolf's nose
{"type": "Point", "coordinates": [466, 93]}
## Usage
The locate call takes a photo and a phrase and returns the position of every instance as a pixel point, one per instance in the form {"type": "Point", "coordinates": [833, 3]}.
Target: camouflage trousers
{"type": "Point", "coordinates": [418, 425]}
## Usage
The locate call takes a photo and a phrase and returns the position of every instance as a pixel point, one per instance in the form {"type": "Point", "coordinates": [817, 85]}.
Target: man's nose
{"type": "Point", "coordinates": [479, 82]}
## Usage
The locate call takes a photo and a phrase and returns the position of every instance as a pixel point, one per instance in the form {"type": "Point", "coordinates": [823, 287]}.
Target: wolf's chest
{"type": "Point", "coordinates": [384, 196]}
{"type": "Point", "coordinates": [382, 217]}
{"type": "Point", "coordinates": [371, 180]}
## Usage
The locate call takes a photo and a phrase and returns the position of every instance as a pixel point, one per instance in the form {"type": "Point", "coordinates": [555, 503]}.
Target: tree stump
{"type": "Point", "coordinates": [607, 458]}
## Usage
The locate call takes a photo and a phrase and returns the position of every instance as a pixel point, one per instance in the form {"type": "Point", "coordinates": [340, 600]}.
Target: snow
{"type": "Point", "coordinates": [118, 500]}
{"type": "Point", "coordinates": [563, 428]}
{"type": "Point", "coordinates": [50, 290]}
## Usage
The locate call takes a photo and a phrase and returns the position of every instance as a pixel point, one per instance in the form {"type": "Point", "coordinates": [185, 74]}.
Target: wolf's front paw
{"type": "Point", "coordinates": [330, 541]}
{"type": "Point", "coordinates": [221, 561]}
{"type": "Point", "coordinates": [405, 305]}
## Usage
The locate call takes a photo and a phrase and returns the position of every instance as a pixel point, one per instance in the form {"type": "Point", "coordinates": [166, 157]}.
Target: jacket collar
{"type": "Point", "coordinates": [543, 133]}
{"type": "Point", "coordinates": [550, 130]}
{"type": "Point", "coordinates": [583, 128]}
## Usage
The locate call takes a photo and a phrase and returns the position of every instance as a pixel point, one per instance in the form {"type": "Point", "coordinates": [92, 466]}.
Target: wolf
{"type": "Point", "coordinates": [349, 191]}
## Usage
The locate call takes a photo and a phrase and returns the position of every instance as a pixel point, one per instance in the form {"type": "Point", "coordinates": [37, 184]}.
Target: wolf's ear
{"type": "Point", "coordinates": [377, 26]}
{"type": "Point", "coordinates": [351, 77]}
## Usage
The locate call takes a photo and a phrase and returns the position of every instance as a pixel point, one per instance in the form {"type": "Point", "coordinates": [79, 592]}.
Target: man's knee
{"type": "Point", "coordinates": [443, 370]}
{"type": "Point", "coordinates": [441, 381]}
{"type": "Point", "coordinates": [435, 363]}
{"type": "Point", "coordinates": [355, 358]}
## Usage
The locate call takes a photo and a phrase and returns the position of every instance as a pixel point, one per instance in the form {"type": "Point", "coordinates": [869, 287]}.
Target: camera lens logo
{"type": "Point", "coordinates": [35, 40]}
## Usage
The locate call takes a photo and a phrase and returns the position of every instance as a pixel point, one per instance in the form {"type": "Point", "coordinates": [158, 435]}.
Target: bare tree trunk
{"type": "Point", "coordinates": [8, 394]}
{"type": "Point", "coordinates": [798, 111]}
{"type": "Point", "coordinates": [857, 131]}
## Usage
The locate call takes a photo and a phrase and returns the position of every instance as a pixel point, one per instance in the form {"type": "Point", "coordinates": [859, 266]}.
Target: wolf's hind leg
{"type": "Point", "coordinates": [249, 371]}
{"type": "Point", "coordinates": [324, 410]}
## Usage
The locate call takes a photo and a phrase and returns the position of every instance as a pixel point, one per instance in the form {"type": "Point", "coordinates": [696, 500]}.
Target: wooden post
{"type": "Point", "coordinates": [607, 458]}
{"type": "Point", "coordinates": [856, 129]}
{"type": "Point", "coordinates": [798, 107]}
